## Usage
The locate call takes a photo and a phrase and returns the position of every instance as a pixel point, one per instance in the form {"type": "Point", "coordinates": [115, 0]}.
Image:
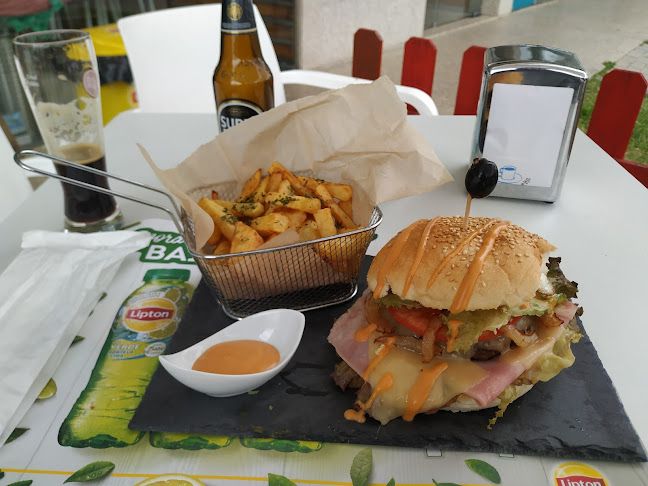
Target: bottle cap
{"type": "Point", "coordinates": [167, 273]}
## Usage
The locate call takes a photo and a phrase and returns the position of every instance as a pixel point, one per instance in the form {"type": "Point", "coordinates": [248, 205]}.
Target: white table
{"type": "Point", "coordinates": [599, 225]}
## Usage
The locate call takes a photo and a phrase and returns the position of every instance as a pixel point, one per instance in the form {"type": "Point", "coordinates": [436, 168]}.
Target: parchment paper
{"type": "Point", "coordinates": [357, 135]}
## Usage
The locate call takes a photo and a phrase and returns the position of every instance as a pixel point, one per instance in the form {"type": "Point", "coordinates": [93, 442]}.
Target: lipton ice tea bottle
{"type": "Point", "coordinates": [243, 83]}
{"type": "Point", "coordinates": [140, 333]}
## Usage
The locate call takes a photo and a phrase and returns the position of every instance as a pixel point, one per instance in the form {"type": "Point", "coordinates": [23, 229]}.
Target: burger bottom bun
{"type": "Point", "coordinates": [464, 403]}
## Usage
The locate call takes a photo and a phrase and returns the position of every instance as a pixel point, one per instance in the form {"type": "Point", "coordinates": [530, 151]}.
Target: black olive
{"type": "Point", "coordinates": [481, 178]}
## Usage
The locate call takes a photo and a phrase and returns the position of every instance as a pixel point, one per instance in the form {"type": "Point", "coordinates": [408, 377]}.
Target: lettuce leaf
{"type": "Point", "coordinates": [557, 278]}
{"type": "Point", "coordinates": [561, 357]}
{"type": "Point", "coordinates": [476, 322]}
{"type": "Point", "coordinates": [393, 300]}
{"type": "Point", "coordinates": [539, 305]}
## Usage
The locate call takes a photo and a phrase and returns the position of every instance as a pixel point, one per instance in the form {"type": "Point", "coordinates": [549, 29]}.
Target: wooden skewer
{"type": "Point", "coordinates": [467, 213]}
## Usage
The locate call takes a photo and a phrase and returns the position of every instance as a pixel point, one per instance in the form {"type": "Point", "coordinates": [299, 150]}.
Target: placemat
{"type": "Point", "coordinates": [577, 414]}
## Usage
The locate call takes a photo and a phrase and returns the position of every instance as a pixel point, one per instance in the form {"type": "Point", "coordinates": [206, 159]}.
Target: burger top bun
{"type": "Point", "coordinates": [510, 275]}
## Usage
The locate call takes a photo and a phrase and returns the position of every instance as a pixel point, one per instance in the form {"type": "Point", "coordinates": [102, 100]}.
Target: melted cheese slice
{"type": "Point", "coordinates": [405, 366]}
{"type": "Point", "coordinates": [460, 376]}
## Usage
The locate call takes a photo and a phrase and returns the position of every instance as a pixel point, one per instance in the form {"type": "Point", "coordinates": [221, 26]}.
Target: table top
{"type": "Point", "coordinates": [597, 224]}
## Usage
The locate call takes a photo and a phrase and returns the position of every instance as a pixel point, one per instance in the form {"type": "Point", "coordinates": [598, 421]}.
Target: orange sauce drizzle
{"type": "Point", "coordinates": [467, 286]}
{"type": "Point", "coordinates": [362, 335]}
{"type": "Point", "coordinates": [421, 389]}
{"type": "Point", "coordinates": [384, 351]}
{"type": "Point", "coordinates": [453, 325]}
{"type": "Point", "coordinates": [356, 415]}
{"type": "Point", "coordinates": [391, 258]}
{"type": "Point", "coordinates": [419, 255]}
{"type": "Point", "coordinates": [385, 383]}
{"type": "Point", "coordinates": [456, 251]}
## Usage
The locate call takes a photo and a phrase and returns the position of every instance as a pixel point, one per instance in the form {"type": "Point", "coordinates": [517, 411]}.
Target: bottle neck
{"type": "Point", "coordinates": [238, 30]}
{"type": "Point", "coordinates": [238, 17]}
{"type": "Point", "coordinates": [244, 46]}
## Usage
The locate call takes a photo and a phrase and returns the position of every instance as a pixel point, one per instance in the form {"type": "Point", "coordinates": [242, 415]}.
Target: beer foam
{"type": "Point", "coordinates": [71, 123]}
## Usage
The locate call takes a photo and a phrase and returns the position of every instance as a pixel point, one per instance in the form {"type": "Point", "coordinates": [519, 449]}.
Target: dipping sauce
{"type": "Point", "coordinates": [241, 357]}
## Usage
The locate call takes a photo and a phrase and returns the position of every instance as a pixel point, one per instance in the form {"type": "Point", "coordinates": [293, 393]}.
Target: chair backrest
{"type": "Point", "coordinates": [639, 171]}
{"type": "Point", "coordinates": [367, 54]}
{"type": "Point", "coordinates": [616, 109]}
{"type": "Point", "coordinates": [173, 53]}
{"type": "Point", "coordinates": [14, 184]}
{"type": "Point", "coordinates": [470, 80]}
{"type": "Point", "coordinates": [419, 61]}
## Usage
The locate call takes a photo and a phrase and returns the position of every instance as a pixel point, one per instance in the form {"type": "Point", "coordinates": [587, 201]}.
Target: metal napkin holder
{"type": "Point", "coordinates": [302, 276]}
{"type": "Point", "coordinates": [530, 101]}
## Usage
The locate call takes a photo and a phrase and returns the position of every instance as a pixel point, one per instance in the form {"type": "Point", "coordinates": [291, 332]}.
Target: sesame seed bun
{"type": "Point", "coordinates": [510, 275]}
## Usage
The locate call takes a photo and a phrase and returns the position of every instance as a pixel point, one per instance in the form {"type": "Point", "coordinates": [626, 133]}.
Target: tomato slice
{"type": "Point", "coordinates": [416, 319]}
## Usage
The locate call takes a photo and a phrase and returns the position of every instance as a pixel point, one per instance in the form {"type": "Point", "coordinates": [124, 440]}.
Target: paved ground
{"type": "Point", "coordinates": [596, 30]}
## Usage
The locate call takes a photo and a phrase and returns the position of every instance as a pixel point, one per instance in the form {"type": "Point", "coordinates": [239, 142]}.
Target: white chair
{"type": "Point", "coordinates": [173, 53]}
{"type": "Point", "coordinates": [14, 183]}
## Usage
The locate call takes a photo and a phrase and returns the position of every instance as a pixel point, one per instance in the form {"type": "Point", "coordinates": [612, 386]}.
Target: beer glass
{"type": "Point", "coordinates": [58, 71]}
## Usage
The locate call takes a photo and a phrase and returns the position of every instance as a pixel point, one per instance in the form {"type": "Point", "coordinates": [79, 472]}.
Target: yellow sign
{"type": "Point", "coordinates": [577, 474]}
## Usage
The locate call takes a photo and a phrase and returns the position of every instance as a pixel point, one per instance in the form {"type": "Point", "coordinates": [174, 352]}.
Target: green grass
{"type": "Point", "coordinates": [638, 146]}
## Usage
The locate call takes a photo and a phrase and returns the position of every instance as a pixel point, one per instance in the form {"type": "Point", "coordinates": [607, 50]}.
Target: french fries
{"type": "Point", "coordinates": [278, 201]}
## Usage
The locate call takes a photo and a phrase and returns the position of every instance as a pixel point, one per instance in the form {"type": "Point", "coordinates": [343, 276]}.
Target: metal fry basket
{"type": "Point", "coordinates": [302, 276]}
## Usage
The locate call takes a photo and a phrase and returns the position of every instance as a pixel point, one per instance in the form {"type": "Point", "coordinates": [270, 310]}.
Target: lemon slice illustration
{"type": "Point", "coordinates": [173, 294]}
{"type": "Point", "coordinates": [49, 391]}
{"type": "Point", "coordinates": [171, 480]}
{"type": "Point", "coordinates": [165, 332]}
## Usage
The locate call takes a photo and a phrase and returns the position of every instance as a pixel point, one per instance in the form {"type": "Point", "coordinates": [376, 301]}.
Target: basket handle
{"type": "Point", "coordinates": [173, 213]}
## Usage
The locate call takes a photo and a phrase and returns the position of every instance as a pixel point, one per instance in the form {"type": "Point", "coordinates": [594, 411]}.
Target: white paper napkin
{"type": "Point", "coordinates": [46, 294]}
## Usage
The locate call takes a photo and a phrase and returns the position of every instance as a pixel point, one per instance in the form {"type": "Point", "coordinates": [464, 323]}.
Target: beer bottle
{"type": "Point", "coordinates": [242, 80]}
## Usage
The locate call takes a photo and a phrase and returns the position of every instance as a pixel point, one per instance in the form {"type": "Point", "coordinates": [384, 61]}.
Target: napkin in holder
{"type": "Point", "coordinates": [46, 295]}
{"type": "Point", "coordinates": [531, 98]}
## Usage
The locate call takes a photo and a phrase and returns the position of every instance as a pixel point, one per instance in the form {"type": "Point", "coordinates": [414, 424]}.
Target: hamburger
{"type": "Point", "coordinates": [455, 318]}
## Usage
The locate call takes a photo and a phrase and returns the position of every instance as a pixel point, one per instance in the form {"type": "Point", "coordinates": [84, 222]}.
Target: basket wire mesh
{"type": "Point", "coordinates": [302, 276]}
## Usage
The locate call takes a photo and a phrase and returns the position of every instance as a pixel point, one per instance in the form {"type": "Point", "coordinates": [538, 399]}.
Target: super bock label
{"type": "Point", "coordinates": [233, 111]}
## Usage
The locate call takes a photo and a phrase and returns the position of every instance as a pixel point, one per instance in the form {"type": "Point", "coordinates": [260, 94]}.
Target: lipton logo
{"type": "Point", "coordinates": [577, 474]}
{"type": "Point", "coordinates": [149, 314]}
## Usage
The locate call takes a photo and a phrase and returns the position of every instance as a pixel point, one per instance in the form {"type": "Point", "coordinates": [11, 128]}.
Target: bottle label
{"type": "Point", "coordinates": [233, 111]}
{"type": "Point", "coordinates": [238, 17]}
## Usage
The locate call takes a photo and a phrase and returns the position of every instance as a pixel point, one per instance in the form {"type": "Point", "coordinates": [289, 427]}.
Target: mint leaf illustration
{"type": "Point", "coordinates": [391, 482]}
{"type": "Point", "coordinates": [361, 467]}
{"type": "Point", "coordinates": [17, 432]}
{"type": "Point", "coordinates": [77, 339]}
{"type": "Point", "coordinates": [92, 471]}
{"type": "Point", "coordinates": [484, 469]}
{"type": "Point", "coordinates": [279, 480]}
{"type": "Point", "coordinates": [26, 482]}
{"type": "Point", "coordinates": [445, 484]}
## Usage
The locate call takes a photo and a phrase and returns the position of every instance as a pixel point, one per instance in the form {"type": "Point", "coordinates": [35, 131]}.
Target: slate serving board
{"type": "Point", "coordinates": [577, 414]}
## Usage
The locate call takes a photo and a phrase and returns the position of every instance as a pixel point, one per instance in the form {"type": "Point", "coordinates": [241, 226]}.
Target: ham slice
{"type": "Point", "coordinates": [566, 311]}
{"type": "Point", "coordinates": [500, 375]}
{"type": "Point", "coordinates": [342, 336]}
{"type": "Point", "coordinates": [504, 370]}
